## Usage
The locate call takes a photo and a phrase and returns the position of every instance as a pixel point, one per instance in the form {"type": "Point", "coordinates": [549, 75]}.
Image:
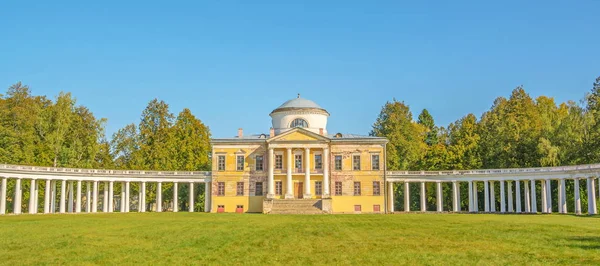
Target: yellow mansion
{"type": "Point", "coordinates": [298, 167]}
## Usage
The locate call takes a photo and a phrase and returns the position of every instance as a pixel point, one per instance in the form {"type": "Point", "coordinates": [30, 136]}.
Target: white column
{"type": "Point", "coordinates": [518, 195]}
{"type": "Point", "coordinates": [455, 197]}
{"type": "Point", "coordinates": [391, 196]}
{"type": "Point", "coordinates": [549, 196]}
{"type": "Point", "coordinates": [105, 199]}
{"type": "Point", "coordinates": [70, 193]}
{"type": "Point", "coordinates": [510, 196]}
{"type": "Point", "coordinates": [53, 196]}
{"type": "Point", "coordinates": [326, 173]}
{"type": "Point", "coordinates": [88, 197]}
{"type": "Point", "coordinates": [475, 197]}
{"type": "Point", "coordinates": [486, 196]}
{"type": "Point", "coordinates": [111, 196]}
{"type": "Point", "coordinates": [562, 194]}
{"type": "Point", "coordinates": [471, 207]}
{"type": "Point", "coordinates": [307, 194]}
{"type": "Point", "coordinates": [526, 196]}
{"type": "Point", "coordinates": [143, 202]}
{"type": "Point", "coordinates": [159, 197]}
{"type": "Point", "coordinates": [440, 208]}
{"type": "Point", "coordinates": [406, 197]}
{"type": "Point", "coordinates": [63, 192]}
{"type": "Point", "coordinates": [207, 196]}
{"type": "Point", "coordinates": [591, 195]}
{"type": "Point", "coordinates": [18, 195]}
{"type": "Point", "coordinates": [47, 197]}
{"type": "Point", "coordinates": [78, 197]}
{"type": "Point", "coordinates": [122, 207]}
{"type": "Point", "coordinates": [289, 193]}
{"type": "Point", "coordinates": [492, 197]}
{"type": "Point", "coordinates": [502, 197]}
{"type": "Point", "coordinates": [3, 196]}
{"type": "Point", "coordinates": [95, 197]}
{"type": "Point", "coordinates": [271, 183]}
{"type": "Point", "coordinates": [175, 190]}
{"type": "Point", "coordinates": [32, 207]}
{"type": "Point", "coordinates": [533, 197]}
{"type": "Point", "coordinates": [543, 196]}
{"type": "Point", "coordinates": [191, 203]}
{"type": "Point", "coordinates": [127, 196]}
{"type": "Point", "coordinates": [423, 198]}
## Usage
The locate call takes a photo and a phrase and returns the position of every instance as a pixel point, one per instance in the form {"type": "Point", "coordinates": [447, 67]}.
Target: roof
{"type": "Point", "coordinates": [299, 103]}
{"type": "Point", "coordinates": [263, 137]}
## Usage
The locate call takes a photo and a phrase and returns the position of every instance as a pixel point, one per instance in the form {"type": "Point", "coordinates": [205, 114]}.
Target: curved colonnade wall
{"type": "Point", "coordinates": [80, 189]}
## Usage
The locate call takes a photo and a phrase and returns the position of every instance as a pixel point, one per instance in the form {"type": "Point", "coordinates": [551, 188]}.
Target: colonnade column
{"type": "Point", "coordinates": [47, 197]}
{"type": "Point", "coordinates": [63, 192]}
{"type": "Point", "coordinates": [18, 195]}
{"type": "Point", "coordinates": [3, 196]}
{"type": "Point", "coordinates": [307, 194]}
{"type": "Point", "coordinates": [406, 197]}
{"type": "Point", "coordinates": [423, 198]}
{"type": "Point", "coordinates": [518, 195]}
{"type": "Point", "coordinates": [591, 195]}
{"type": "Point", "coordinates": [527, 197]}
{"type": "Point", "coordinates": [543, 191]}
{"type": "Point", "coordinates": [95, 202]}
{"type": "Point", "coordinates": [111, 196]}
{"type": "Point", "coordinates": [326, 173]}
{"type": "Point", "coordinates": [471, 209]}
{"type": "Point", "coordinates": [143, 202]}
{"type": "Point", "coordinates": [455, 197]}
{"type": "Point", "coordinates": [440, 208]}
{"type": "Point", "coordinates": [561, 188]}
{"type": "Point", "coordinates": [191, 198]}
{"type": "Point", "coordinates": [391, 196]}
{"type": "Point", "coordinates": [127, 196]}
{"type": "Point", "coordinates": [32, 205]}
{"type": "Point", "coordinates": [105, 199]}
{"type": "Point", "coordinates": [533, 197]}
{"type": "Point", "coordinates": [549, 196]}
{"type": "Point", "coordinates": [207, 196]}
{"type": "Point", "coordinates": [492, 197]}
{"type": "Point", "coordinates": [486, 196]}
{"type": "Point", "coordinates": [159, 197]}
{"type": "Point", "coordinates": [70, 194]}
{"type": "Point", "coordinates": [502, 197]}
{"type": "Point", "coordinates": [475, 197]}
{"type": "Point", "coordinates": [289, 192]}
{"type": "Point", "coordinates": [88, 197]}
{"type": "Point", "coordinates": [577, 197]}
{"type": "Point", "coordinates": [510, 196]}
{"type": "Point", "coordinates": [78, 197]}
{"type": "Point", "coordinates": [271, 183]}
{"type": "Point", "coordinates": [175, 190]}
{"type": "Point", "coordinates": [122, 207]}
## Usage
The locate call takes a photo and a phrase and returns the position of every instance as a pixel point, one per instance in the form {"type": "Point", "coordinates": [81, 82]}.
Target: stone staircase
{"type": "Point", "coordinates": [296, 206]}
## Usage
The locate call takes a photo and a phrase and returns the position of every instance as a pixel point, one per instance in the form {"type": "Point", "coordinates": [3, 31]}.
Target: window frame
{"type": "Point", "coordinates": [335, 162]}
{"type": "Point", "coordinates": [319, 163]}
{"type": "Point", "coordinates": [357, 189]}
{"type": "Point", "coordinates": [376, 188]}
{"type": "Point", "coordinates": [278, 188]}
{"type": "Point", "coordinates": [354, 168]}
{"type": "Point", "coordinates": [318, 188]}
{"type": "Point", "coordinates": [294, 123]}
{"type": "Point", "coordinates": [238, 191]}
{"type": "Point", "coordinates": [219, 157]}
{"type": "Point", "coordinates": [237, 162]}
{"type": "Point", "coordinates": [279, 163]}
{"type": "Point", "coordinates": [220, 188]}
{"type": "Point", "coordinates": [258, 192]}
{"type": "Point", "coordinates": [298, 161]}
{"type": "Point", "coordinates": [378, 162]}
{"type": "Point", "coordinates": [338, 188]}
{"type": "Point", "coordinates": [262, 163]}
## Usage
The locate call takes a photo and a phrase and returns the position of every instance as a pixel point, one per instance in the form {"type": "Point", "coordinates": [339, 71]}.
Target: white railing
{"type": "Point", "coordinates": [43, 169]}
{"type": "Point", "coordinates": [586, 167]}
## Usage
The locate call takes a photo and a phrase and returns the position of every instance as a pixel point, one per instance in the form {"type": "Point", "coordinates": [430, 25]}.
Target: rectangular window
{"type": "Point", "coordinates": [279, 161]}
{"type": "Point", "coordinates": [258, 189]}
{"type": "Point", "coordinates": [298, 161]}
{"type": "Point", "coordinates": [357, 208]}
{"type": "Point", "coordinates": [338, 188]}
{"type": "Point", "coordinates": [221, 189]}
{"type": "Point", "coordinates": [259, 163]}
{"type": "Point", "coordinates": [356, 188]}
{"type": "Point", "coordinates": [318, 188]}
{"type": "Point", "coordinates": [376, 188]}
{"type": "Point", "coordinates": [376, 208]}
{"type": "Point", "coordinates": [356, 162]}
{"type": "Point", "coordinates": [375, 162]}
{"type": "Point", "coordinates": [221, 162]}
{"type": "Point", "coordinates": [240, 189]}
{"type": "Point", "coordinates": [338, 162]}
{"type": "Point", "coordinates": [240, 162]}
{"type": "Point", "coordinates": [220, 208]}
{"type": "Point", "coordinates": [318, 161]}
{"type": "Point", "coordinates": [278, 187]}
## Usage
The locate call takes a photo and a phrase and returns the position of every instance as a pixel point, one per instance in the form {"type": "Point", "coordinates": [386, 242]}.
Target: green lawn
{"type": "Point", "coordinates": [198, 238]}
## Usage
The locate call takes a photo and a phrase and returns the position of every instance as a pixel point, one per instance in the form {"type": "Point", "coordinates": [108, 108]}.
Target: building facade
{"type": "Point", "coordinates": [298, 167]}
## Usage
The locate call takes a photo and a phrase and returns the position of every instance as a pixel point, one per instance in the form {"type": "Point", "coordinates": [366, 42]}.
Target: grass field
{"type": "Point", "coordinates": [197, 238]}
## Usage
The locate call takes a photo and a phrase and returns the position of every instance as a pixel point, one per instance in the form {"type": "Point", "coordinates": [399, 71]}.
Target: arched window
{"type": "Point", "coordinates": [299, 122]}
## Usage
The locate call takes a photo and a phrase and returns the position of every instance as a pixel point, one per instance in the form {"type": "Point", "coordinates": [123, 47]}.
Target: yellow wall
{"type": "Point", "coordinates": [345, 204]}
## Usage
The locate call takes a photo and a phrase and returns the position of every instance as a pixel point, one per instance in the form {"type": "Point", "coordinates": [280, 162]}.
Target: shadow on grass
{"type": "Point", "coordinates": [585, 242]}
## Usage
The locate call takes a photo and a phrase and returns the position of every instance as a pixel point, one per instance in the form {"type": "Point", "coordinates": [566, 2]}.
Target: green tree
{"type": "Point", "coordinates": [192, 139]}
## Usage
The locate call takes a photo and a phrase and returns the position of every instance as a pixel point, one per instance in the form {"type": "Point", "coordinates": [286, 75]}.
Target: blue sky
{"type": "Point", "coordinates": [233, 62]}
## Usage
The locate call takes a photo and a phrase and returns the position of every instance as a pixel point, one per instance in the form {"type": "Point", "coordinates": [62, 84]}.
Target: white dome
{"type": "Point", "coordinates": [299, 112]}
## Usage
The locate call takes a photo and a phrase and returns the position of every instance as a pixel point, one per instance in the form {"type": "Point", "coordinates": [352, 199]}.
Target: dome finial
{"type": "Point", "coordinates": [298, 95]}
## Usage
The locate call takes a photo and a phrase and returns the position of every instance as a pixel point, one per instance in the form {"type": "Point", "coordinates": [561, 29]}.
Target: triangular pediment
{"type": "Point", "coordinates": [299, 134]}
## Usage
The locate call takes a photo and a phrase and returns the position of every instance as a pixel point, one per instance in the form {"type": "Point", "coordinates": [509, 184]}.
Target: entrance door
{"type": "Point", "coordinates": [299, 190]}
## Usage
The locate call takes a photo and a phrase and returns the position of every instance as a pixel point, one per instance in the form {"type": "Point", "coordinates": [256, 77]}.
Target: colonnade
{"type": "Point", "coordinates": [71, 198]}
{"type": "Point", "coordinates": [526, 203]}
